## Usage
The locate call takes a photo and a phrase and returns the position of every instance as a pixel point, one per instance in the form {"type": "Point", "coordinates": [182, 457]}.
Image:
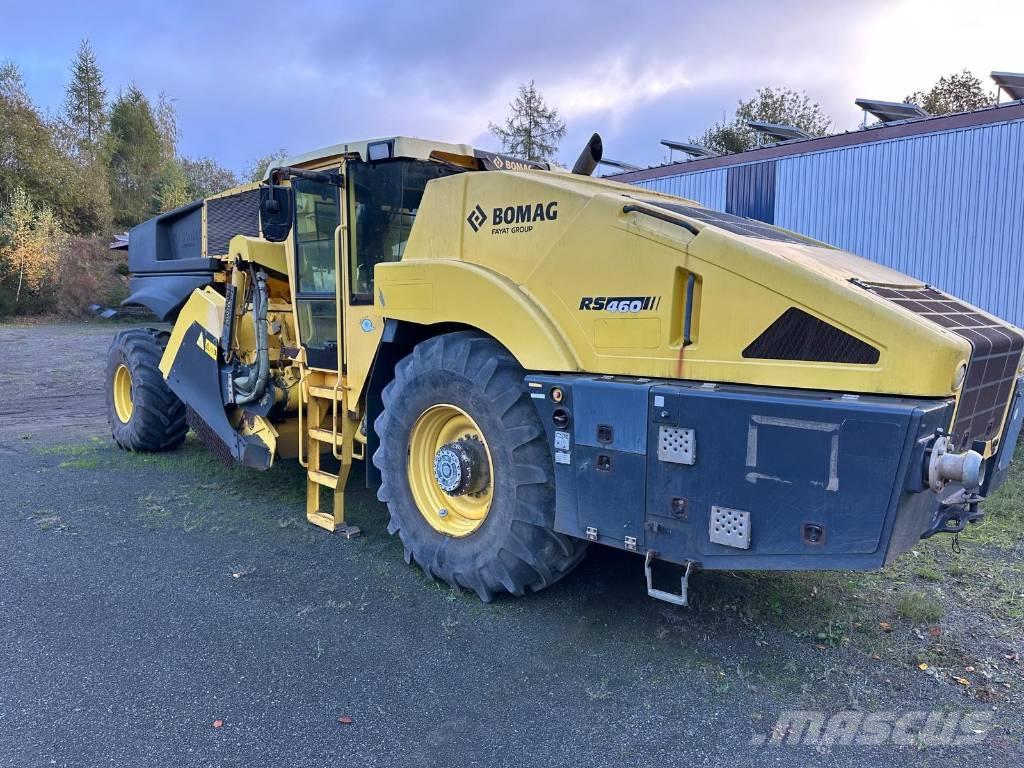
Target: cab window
{"type": "Point", "coordinates": [383, 201]}
{"type": "Point", "coordinates": [316, 218]}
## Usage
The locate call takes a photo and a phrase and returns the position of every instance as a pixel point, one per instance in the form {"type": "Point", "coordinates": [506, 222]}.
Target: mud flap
{"type": "Point", "coordinates": [194, 377]}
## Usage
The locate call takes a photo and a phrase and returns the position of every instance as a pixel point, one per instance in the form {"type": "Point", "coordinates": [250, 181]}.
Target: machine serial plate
{"type": "Point", "coordinates": [677, 445]}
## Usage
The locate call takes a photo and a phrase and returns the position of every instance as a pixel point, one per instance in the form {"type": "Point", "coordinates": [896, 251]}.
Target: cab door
{"type": "Point", "coordinates": [317, 218]}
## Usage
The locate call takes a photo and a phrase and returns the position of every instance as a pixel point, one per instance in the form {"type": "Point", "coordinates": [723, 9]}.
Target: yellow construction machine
{"type": "Point", "coordinates": [535, 359]}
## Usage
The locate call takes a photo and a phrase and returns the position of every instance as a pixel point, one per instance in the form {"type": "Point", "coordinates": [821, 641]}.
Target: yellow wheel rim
{"type": "Point", "coordinates": [450, 470]}
{"type": "Point", "coordinates": [123, 404]}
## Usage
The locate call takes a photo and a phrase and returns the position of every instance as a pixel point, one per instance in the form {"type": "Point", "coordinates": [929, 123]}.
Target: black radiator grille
{"type": "Point", "coordinates": [796, 335]}
{"type": "Point", "coordinates": [208, 435]}
{"type": "Point", "coordinates": [995, 356]}
{"type": "Point", "coordinates": [229, 216]}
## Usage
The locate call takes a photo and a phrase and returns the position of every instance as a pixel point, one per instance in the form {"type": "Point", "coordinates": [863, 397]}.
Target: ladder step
{"type": "Point", "coordinates": [325, 393]}
{"type": "Point", "coordinates": [323, 478]}
{"type": "Point", "coordinates": [325, 436]}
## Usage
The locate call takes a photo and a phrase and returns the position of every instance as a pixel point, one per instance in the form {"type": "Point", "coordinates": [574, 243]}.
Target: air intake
{"type": "Point", "coordinates": [796, 335]}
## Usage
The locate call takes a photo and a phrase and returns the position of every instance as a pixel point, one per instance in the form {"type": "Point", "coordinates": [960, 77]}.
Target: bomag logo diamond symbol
{"type": "Point", "coordinates": [498, 162]}
{"type": "Point", "coordinates": [477, 218]}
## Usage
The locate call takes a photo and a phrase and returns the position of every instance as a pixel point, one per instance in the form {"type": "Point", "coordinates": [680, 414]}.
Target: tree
{"type": "Point", "coordinates": [36, 155]}
{"type": "Point", "coordinates": [206, 177]}
{"type": "Point", "coordinates": [254, 171]}
{"type": "Point", "coordinates": [135, 157]}
{"type": "Point", "coordinates": [171, 188]}
{"type": "Point", "coordinates": [959, 92]}
{"type": "Point", "coordinates": [12, 85]}
{"type": "Point", "coordinates": [770, 105]}
{"type": "Point", "coordinates": [85, 102]}
{"type": "Point", "coordinates": [167, 126]}
{"type": "Point", "coordinates": [532, 130]}
{"type": "Point", "coordinates": [33, 241]}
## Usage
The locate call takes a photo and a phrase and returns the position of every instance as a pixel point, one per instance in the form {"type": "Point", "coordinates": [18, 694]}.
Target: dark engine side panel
{"type": "Point", "coordinates": [740, 477]}
{"type": "Point", "coordinates": [170, 242]}
{"type": "Point", "coordinates": [165, 257]}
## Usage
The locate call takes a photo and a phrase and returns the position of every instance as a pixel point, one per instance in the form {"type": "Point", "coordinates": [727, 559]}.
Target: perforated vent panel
{"type": "Point", "coordinates": [677, 445]}
{"type": "Point", "coordinates": [229, 216]}
{"type": "Point", "coordinates": [796, 335]}
{"type": "Point", "coordinates": [730, 527]}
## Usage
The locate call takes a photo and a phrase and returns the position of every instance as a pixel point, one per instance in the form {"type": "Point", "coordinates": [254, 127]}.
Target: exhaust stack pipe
{"type": "Point", "coordinates": [589, 157]}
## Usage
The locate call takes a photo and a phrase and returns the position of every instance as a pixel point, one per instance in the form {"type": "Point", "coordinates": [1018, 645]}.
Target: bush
{"type": "Point", "coordinates": [90, 273]}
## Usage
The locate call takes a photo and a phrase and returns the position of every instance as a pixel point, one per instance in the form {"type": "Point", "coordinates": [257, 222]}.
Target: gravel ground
{"type": "Point", "coordinates": [144, 598]}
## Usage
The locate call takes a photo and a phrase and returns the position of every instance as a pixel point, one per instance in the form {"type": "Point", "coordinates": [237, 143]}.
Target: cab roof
{"type": "Point", "coordinates": [388, 147]}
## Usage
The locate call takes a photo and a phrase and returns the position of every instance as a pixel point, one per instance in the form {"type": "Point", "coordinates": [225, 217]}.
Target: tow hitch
{"type": "Point", "coordinates": [955, 512]}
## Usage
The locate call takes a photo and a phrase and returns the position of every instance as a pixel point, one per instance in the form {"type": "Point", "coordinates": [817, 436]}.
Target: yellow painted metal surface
{"type": "Point", "coordinates": [525, 283]}
{"type": "Point", "coordinates": [554, 268]}
{"type": "Point", "coordinates": [124, 404]}
{"type": "Point", "coordinates": [206, 307]}
{"type": "Point", "coordinates": [255, 250]}
{"type": "Point", "coordinates": [452, 515]}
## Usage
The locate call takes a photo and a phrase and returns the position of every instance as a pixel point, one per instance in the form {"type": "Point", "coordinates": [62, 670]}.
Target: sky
{"type": "Point", "coordinates": [248, 78]}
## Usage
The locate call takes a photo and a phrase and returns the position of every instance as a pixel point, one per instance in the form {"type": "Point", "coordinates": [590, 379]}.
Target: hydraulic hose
{"type": "Point", "coordinates": [251, 386]}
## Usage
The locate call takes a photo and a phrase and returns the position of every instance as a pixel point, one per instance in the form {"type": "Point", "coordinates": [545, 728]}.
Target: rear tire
{"type": "Point", "coordinates": [143, 413]}
{"type": "Point", "coordinates": [515, 548]}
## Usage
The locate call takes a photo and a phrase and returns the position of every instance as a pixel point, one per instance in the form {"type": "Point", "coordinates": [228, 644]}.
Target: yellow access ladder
{"type": "Point", "coordinates": [329, 429]}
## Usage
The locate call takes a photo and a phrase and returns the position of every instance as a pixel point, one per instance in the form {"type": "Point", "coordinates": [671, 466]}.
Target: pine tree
{"type": "Point", "coordinates": [85, 103]}
{"type": "Point", "coordinates": [532, 130]}
{"type": "Point", "coordinates": [135, 155]}
{"type": "Point", "coordinates": [12, 85]}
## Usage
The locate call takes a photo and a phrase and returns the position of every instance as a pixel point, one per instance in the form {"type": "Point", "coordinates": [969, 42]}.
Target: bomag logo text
{"type": "Point", "coordinates": [513, 219]}
{"type": "Point", "coordinates": [621, 304]}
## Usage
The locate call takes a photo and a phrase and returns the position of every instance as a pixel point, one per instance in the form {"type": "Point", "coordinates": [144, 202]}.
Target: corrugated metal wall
{"type": "Point", "coordinates": [946, 208]}
{"type": "Point", "coordinates": [705, 187]}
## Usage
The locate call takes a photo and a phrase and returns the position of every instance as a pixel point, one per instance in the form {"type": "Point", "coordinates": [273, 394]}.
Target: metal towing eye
{"type": "Point", "coordinates": [959, 508]}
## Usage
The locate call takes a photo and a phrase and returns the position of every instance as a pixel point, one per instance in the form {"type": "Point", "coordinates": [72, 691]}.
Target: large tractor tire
{"type": "Point", "coordinates": [466, 470]}
{"type": "Point", "coordinates": [144, 414]}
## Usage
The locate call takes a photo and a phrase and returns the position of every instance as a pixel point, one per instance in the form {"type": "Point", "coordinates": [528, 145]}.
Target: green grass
{"type": "Point", "coordinates": [919, 608]}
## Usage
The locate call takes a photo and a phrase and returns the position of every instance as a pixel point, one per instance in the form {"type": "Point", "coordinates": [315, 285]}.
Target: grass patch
{"type": "Point", "coordinates": [919, 607]}
{"type": "Point", "coordinates": [928, 572]}
{"type": "Point", "coordinates": [50, 522]}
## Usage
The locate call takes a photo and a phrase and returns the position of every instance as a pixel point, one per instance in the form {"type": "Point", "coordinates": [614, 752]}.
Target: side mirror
{"type": "Point", "coordinates": [275, 211]}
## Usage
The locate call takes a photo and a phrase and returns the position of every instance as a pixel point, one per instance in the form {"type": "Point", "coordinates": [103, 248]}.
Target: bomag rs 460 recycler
{"type": "Point", "coordinates": [534, 360]}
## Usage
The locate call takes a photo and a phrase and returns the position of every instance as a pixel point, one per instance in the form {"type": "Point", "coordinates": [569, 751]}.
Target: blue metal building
{"type": "Point", "coordinates": [938, 198]}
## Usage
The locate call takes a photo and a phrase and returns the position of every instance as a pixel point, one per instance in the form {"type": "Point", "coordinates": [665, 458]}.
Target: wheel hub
{"type": "Point", "coordinates": [122, 387]}
{"type": "Point", "coordinates": [450, 470]}
{"type": "Point", "coordinates": [461, 467]}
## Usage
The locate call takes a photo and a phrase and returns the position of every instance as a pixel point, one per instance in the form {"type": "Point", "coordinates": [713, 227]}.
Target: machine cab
{"type": "Point", "coordinates": [348, 219]}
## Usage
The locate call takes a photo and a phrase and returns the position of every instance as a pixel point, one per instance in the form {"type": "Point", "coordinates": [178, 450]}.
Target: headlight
{"type": "Point", "coordinates": [961, 374]}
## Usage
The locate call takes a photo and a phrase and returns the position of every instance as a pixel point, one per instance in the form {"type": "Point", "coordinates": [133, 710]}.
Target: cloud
{"type": "Point", "coordinates": [249, 77]}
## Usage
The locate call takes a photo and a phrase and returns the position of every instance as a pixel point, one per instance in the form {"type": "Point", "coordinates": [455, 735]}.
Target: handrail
{"type": "Point", "coordinates": [629, 208]}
